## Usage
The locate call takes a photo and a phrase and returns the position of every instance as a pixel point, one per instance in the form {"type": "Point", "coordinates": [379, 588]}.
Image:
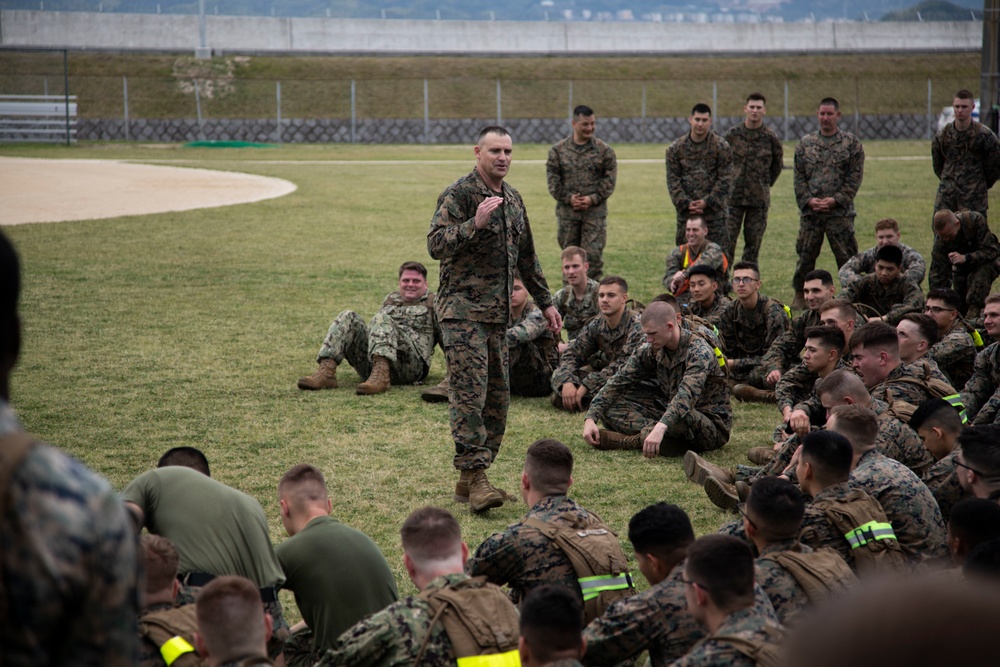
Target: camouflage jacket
{"type": "Point", "coordinates": [786, 350]}
{"type": "Point", "coordinates": [955, 355]}
{"type": "Point", "coordinates": [521, 557]}
{"type": "Point", "coordinates": [696, 309]}
{"type": "Point", "coordinates": [575, 313]}
{"type": "Point", "coordinates": [796, 386]}
{"type": "Point", "coordinates": [745, 624]}
{"type": "Point", "coordinates": [680, 259]}
{"type": "Point", "coordinates": [747, 335]}
{"type": "Point", "coordinates": [967, 163]}
{"type": "Point", "coordinates": [590, 169]}
{"type": "Point", "coordinates": [942, 480]}
{"type": "Point", "coordinates": [529, 328]}
{"type": "Point", "coordinates": [899, 385]}
{"type": "Point", "coordinates": [981, 394]}
{"type": "Point", "coordinates": [819, 532]}
{"type": "Point", "coordinates": [894, 300]}
{"type": "Point", "coordinates": [477, 266]}
{"type": "Point", "coordinates": [690, 377]}
{"type": "Point", "coordinates": [418, 317]}
{"type": "Point", "coordinates": [786, 594]}
{"type": "Point", "coordinates": [908, 503]}
{"type": "Point", "coordinates": [615, 345]}
{"type": "Point", "coordinates": [897, 441]}
{"type": "Point", "coordinates": [974, 240]}
{"type": "Point", "coordinates": [758, 158]}
{"type": "Point", "coordinates": [702, 170]}
{"type": "Point", "coordinates": [656, 620]}
{"type": "Point", "coordinates": [829, 167]}
{"type": "Point", "coordinates": [69, 564]}
{"type": "Point", "coordinates": [914, 267]}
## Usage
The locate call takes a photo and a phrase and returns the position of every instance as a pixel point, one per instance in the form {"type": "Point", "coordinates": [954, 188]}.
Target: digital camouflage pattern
{"type": "Point", "coordinates": [913, 267]}
{"type": "Point", "coordinates": [588, 169]}
{"type": "Point", "coordinates": [702, 170]}
{"type": "Point", "coordinates": [955, 354]}
{"type": "Point", "coordinates": [522, 558]}
{"type": "Point", "coordinates": [655, 620]}
{"type": "Point", "coordinates": [404, 333]}
{"type": "Point", "coordinates": [891, 301]}
{"type": "Point", "coordinates": [785, 352]}
{"type": "Point", "coordinates": [473, 308]}
{"type": "Point", "coordinates": [797, 390]}
{"type": "Point", "coordinates": [899, 442]}
{"type": "Point", "coordinates": [973, 279]}
{"type": "Point", "coordinates": [681, 259]}
{"type": "Point", "coordinates": [614, 345]}
{"type": "Point", "coordinates": [698, 310]}
{"type": "Point", "coordinates": [826, 167]}
{"type": "Point", "coordinates": [909, 383]}
{"type": "Point", "coordinates": [787, 595]}
{"type": "Point", "coordinates": [532, 353]}
{"type": "Point", "coordinates": [747, 335]}
{"type": "Point", "coordinates": [942, 481]}
{"type": "Point", "coordinates": [967, 163]}
{"type": "Point", "coordinates": [576, 312]}
{"type": "Point", "coordinates": [758, 157]}
{"type": "Point", "coordinates": [691, 397]}
{"type": "Point", "coordinates": [912, 510]}
{"type": "Point", "coordinates": [981, 394]}
{"type": "Point", "coordinates": [745, 624]}
{"type": "Point", "coordinates": [819, 532]}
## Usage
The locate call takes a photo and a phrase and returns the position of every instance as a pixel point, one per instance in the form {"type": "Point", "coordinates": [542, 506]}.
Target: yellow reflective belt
{"type": "Point", "coordinates": [721, 357]}
{"type": "Point", "coordinates": [508, 659]}
{"type": "Point", "coordinates": [788, 311]}
{"type": "Point", "coordinates": [869, 532]}
{"type": "Point", "coordinates": [174, 648]}
{"type": "Point", "coordinates": [592, 586]}
{"type": "Point", "coordinates": [955, 400]}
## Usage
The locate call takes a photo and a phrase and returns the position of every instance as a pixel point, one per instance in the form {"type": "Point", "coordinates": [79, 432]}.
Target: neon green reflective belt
{"type": "Point", "coordinates": [955, 401]}
{"type": "Point", "coordinates": [977, 340]}
{"type": "Point", "coordinates": [174, 648]}
{"type": "Point", "coordinates": [593, 586]}
{"type": "Point", "coordinates": [508, 659]}
{"type": "Point", "coordinates": [721, 357]}
{"type": "Point", "coordinates": [788, 311]}
{"type": "Point", "coordinates": [870, 532]}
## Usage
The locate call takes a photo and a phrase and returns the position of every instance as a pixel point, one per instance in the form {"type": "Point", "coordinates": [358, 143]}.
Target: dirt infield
{"type": "Point", "coordinates": [35, 190]}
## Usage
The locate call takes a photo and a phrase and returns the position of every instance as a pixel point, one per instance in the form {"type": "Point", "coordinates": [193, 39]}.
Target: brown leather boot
{"type": "Point", "coordinates": [698, 470]}
{"type": "Point", "coordinates": [612, 440]}
{"type": "Point", "coordinates": [378, 380]}
{"type": "Point", "coordinates": [462, 489]}
{"type": "Point", "coordinates": [436, 394]}
{"type": "Point", "coordinates": [325, 376]}
{"type": "Point", "coordinates": [760, 456]}
{"type": "Point", "coordinates": [722, 495]}
{"type": "Point", "coordinates": [750, 394]}
{"type": "Point", "coordinates": [482, 494]}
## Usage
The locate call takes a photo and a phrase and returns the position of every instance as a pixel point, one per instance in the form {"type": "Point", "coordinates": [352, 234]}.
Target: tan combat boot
{"type": "Point", "coordinates": [750, 394]}
{"type": "Point", "coordinates": [760, 456]}
{"type": "Point", "coordinates": [723, 495]}
{"type": "Point", "coordinates": [462, 489]}
{"type": "Point", "coordinates": [436, 394]}
{"type": "Point", "coordinates": [325, 376]}
{"type": "Point", "coordinates": [613, 440]}
{"type": "Point", "coordinates": [482, 494]}
{"type": "Point", "coordinates": [698, 470]}
{"type": "Point", "coordinates": [378, 380]}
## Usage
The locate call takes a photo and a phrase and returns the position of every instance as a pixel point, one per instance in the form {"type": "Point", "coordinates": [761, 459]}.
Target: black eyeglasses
{"type": "Point", "coordinates": [938, 309]}
{"type": "Point", "coordinates": [689, 582]}
{"type": "Point", "coordinates": [743, 280]}
{"type": "Point", "coordinates": [742, 509]}
{"type": "Point", "coordinates": [959, 463]}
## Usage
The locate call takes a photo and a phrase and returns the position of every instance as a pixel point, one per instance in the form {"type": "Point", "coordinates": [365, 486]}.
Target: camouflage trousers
{"type": "Point", "coordinates": [478, 390]}
{"type": "Point", "coordinates": [974, 286]}
{"type": "Point", "coordinates": [954, 202]}
{"type": "Point", "coordinates": [839, 230]}
{"type": "Point", "coordinates": [753, 220]}
{"type": "Point", "coordinates": [590, 234]}
{"type": "Point", "coordinates": [349, 338]}
{"type": "Point", "coordinates": [753, 377]}
{"type": "Point", "coordinates": [300, 651]}
{"type": "Point", "coordinates": [279, 634]}
{"type": "Point", "coordinates": [530, 369]}
{"type": "Point", "coordinates": [640, 410]}
{"type": "Point", "coordinates": [718, 229]}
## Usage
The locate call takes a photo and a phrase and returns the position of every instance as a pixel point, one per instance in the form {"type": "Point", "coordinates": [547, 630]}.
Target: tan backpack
{"type": "Point", "coordinates": [764, 653]}
{"type": "Point", "coordinates": [821, 573]}
{"type": "Point", "coordinates": [172, 630]}
{"type": "Point", "coordinates": [862, 521]}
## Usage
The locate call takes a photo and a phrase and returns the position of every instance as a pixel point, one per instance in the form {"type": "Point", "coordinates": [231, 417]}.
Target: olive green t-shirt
{"type": "Point", "coordinates": [215, 528]}
{"type": "Point", "coordinates": [338, 575]}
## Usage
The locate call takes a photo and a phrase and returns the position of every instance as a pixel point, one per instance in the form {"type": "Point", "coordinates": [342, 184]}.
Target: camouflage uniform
{"type": "Point", "coordinates": [394, 635]}
{"type": "Point", "coordinates": [913, 267]}
{"type": "Point", "coordinates": [575, 313]}
{"type": "Point", "coordinates": [826, 167]}
{"type": "Point", "coordinates": [701, 170]}
{"type": "Point", "coordinates": [589, 169]}
{"type": "Point", "coordinates": [892, 301]}
{"type": "Point", "coordinates": [533, 353]}
{"type": "Point", "coordinates": [973, 279]}
{"type": "Point", "coordinates": [796, 386]}
{"type": "Point", "coordinates": [680, 259]}
{"type": "Point", "coordinates": [183, 623]}
{"type": "Point", "coordinates": [758, 158]}
{"type": "Point", "coordinates": [656, 620]}
{"type": "Point", "coordinates": [942, 480]}
{"type": "Point", "coordinates": [786, 593]}
{"type": "Point", "coordinates": [614, 346]}
{"type": "Point", "coordinates": [523, 558]}
{"type": "Point", "coordinates": [981, 394]}
{"type": "Point", "coordinates": [696, 309]}
{"type": "Point", "coordinates": [955, 355]}
{"type": "Point", "coordinates": [745, 624]}
{"type": "Point", "coordinates": [473, 308]}
{"type": "Point", "coordinates": [897, 385]}
{"type": "Point", "coordinates": [785, 351]}
{"type": "Point", "coordinates": [915, 516]}
{"type": "Point", "coordinates": [819, 532]}
{"type": "Point", "coordinates": [747, 335]}
{"type": "Point", "coordinates": [404, 333]}
{"type": "Point", "coordinates": [968, 163]}
{"type": "Point", "coordinates": [691, 399]}
{"type": "Point", "coordinates": [68, 557]}
{"type": "Point", "coordinates": [253, 661]}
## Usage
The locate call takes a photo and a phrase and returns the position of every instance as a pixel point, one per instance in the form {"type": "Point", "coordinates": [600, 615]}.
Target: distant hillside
{"type": "Point", "coordinates": [935, 10]}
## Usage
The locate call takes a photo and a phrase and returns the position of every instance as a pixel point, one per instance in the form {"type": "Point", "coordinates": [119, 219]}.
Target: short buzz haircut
{"type": "Point", "coordinates": [660, 529]}
{"type": "Point", "coordinates": [876, 335]}
{"type": "Point", "coordinates": [549, 465]}
{"type": "Point", "coordinates": [992, 298]}
{"type": "Point", "coordinates": [889, 253]}
{"type": "Point", "coordinates": [945, 295]}
{"type": "Point", "coordinates": [697, 218]}
{"type": "Point", "coordinates": [965, 94]}
{"type": "Point", "coordinates": [431, 534]}
{"type": "Point", "coordinates": [757, 95]}
{"type": "Point", "coordinates": [747, 266]}
{"type": "Point", "coordinates": [668, 299]}
{"type": "Point", "coordinates": [303, 485]}
{"type": "Point", "coordinates": [926, 326]}
{"type": "Point", "coordinates": [701, 107]}
{"type": "Point", "coordinates": [829, 102]}
{"type": "Point", "coordinates": [230, 616]}
{"type": "Point", "coordinates": [703, 270]}
{"type": "Point", "coordinates": [980, 450]}
{"type": "Point", "coordinates": [858, 424]}
{"type": "Point", "coordinates": [615, 280]}
{"type": "Point", "coordinates": [551, 622]}
{"type": "Point", "coordinates": [777, 507]}
{"type": "Point", "coordinates": [413, 266]}
{"type": "Point", "coordinates": [943, 218]}
{"type": "Point", "coordinates": [723, 566]}
{"type": "Point", "coordinates": [821, 275]}
{"type": "Point", "coordinates": [887, 223]}
{"type": "Point", "coordinates": [843, 306]}
{"type": "Point", "coordinates": [658, 312]}
{"type": "Point", "coordinates": [582, 111]}
{"type": "Point", "coordinates": [160, 562]}
{"type": "Point", "coordinates": [974, 521]}
{"type": "Point", "coordinates": [498, 130]}
{"type": "Point", "coordinates": [186, 457]}
{"type": "Point", "coordinates": [830, 454]}
{"type": "Point", "coordinates": [843, 382]}
{"type": "Point", "coordinates": [829, 337]}
{"type": "Point", "coordinates": [937, 413]}
{"type": "Point", "coordinates": [573, 251]}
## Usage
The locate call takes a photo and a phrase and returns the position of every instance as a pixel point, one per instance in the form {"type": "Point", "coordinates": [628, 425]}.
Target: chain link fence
{"type": "Point", "coordinates": [204, 100]}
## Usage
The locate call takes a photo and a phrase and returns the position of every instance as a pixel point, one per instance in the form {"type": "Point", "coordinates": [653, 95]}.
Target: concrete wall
{"type": "Point", "coordinates": [150, 32]}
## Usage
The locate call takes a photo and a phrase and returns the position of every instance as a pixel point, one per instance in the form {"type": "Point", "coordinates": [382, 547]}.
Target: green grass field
{"type": "Point", "coordinates": [144, 333]}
